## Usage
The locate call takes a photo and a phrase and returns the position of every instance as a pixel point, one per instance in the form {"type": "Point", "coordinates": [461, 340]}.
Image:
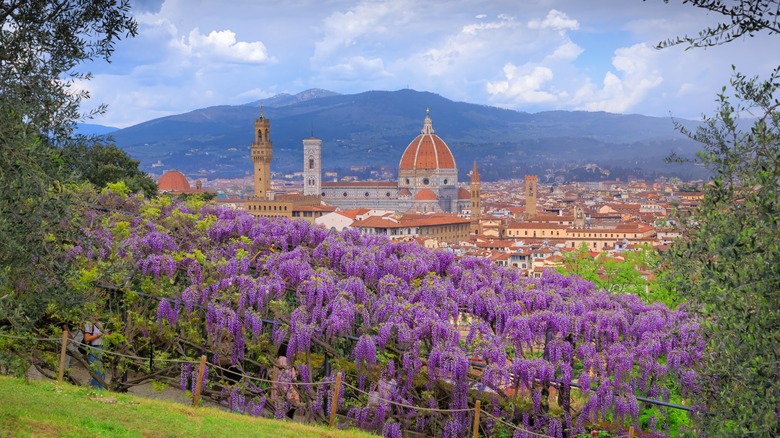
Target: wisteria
{"type": "Point", "coordinates": [549, 354]}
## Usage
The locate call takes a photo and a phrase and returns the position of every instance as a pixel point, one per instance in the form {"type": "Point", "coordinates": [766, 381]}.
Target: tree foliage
{"type": "Point", "coordinates": [41, 45]}
{"type": "Point", "coordinates": [631, 271]}
{"type": "Point", "coordinates": [101, 164]}
{"type": "Point", "coordinates": [743, 18]}
{"type": "Point", "coordinates": [727, 267]}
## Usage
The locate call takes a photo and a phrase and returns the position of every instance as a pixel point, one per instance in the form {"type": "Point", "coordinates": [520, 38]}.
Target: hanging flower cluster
{"type": "Point", "coordinates": [443, 331]}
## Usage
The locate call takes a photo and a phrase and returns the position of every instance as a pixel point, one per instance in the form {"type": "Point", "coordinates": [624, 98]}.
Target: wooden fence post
{"type": "Point", "coordinates": [334, 403]}
{"type": "Point", "coordinates": [475, 433]}
{"type": "Point", "coordinates": [202, 368]}
{"type": "Point", "coordinates": [61, 375]}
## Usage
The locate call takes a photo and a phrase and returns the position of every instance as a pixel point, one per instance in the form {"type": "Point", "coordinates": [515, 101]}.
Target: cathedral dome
{"type": "Point", "coordinates": [173, 181]}
{"type": "Point", "coordinates": [427, 151]}
{"type": "Point", "coordinates": [463, 194]}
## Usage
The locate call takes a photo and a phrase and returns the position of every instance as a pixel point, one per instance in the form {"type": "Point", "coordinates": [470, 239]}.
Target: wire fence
{"type": "Point", "coordinates": [372, 396]}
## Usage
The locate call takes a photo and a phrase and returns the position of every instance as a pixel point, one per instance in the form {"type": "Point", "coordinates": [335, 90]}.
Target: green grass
{"type": "Point", "coordinates": [43, 408]}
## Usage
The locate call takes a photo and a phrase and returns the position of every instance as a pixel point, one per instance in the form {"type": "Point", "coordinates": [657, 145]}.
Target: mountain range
{"type": "Point", "coordinates": [370, 131]}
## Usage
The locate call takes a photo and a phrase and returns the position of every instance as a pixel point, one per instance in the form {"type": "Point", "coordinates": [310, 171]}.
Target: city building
{"type": "Point", "coordinates": [427, 180]}
{"type": "Point", "coordinates": [175, 183]}
{"type": "Point", "coordinates": [265, 202]}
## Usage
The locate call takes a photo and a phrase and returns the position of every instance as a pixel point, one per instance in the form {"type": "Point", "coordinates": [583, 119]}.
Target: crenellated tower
{"type": "Point", "coordinates": [530, 195]}
{"type": "Point", "coordinates": [312, 166]}
{"type": "Point", "coordinates": [262, 151]}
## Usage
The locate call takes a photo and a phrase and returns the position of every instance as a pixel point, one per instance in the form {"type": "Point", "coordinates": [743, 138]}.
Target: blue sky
{"type": "Point", "coordinates": [525, 55]}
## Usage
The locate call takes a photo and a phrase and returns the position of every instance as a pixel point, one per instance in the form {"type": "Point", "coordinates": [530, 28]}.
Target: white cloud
{"type": "Point", "coordinates": [223, 46]}
{"type": "Point", "coordinates": [568, 51]}
{"type": "Point", "coordinates": [523, 85]}
{"type": "Point", "coordinates": [636, 76]}
{"type": "Point", "coordinates": [255, 94]}
{"type": "Point", "coordinates": [357, 67]}
{"type": "Point", "coordinates": [344, 29]}
{"type": "Point", "coordinates": [504, 21]}
{"type": "Point", "coordinates": [465, 54]}
{"type": "Point", "coordinates": [555, 20]}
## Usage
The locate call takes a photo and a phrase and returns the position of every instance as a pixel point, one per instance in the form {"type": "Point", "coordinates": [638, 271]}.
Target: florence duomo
{"type": "Point", "coordinates": [427, 179]}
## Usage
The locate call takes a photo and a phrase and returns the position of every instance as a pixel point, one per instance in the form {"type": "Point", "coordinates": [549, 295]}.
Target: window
{"type": "Point", "coordinates": [426, 181]}
{"type": "Point", "coordinates": [344, 194]}
{"type": "Point", "coordinates": [387, 194]}
{"type": "Point", "coordinates": [323, 194]}
{"type": "Point", "coordinates": [311, 163]}
{"type": "Point", "coordinates": [445, 180]}
{"type": "Point", "coordinates": [366, 194]}
{"type": "Point", "coordinates": [407, 180]}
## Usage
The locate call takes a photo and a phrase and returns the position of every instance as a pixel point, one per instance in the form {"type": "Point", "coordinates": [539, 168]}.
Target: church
{"type": "Point", "coordinates": [427, 181]}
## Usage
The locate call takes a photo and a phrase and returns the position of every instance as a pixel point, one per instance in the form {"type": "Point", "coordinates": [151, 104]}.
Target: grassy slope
{"type": "Point", "coordinates": [42, 408]}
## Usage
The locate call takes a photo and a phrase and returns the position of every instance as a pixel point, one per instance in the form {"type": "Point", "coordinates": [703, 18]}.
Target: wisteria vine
{"type": "Point", "coordinates": [411, 325]}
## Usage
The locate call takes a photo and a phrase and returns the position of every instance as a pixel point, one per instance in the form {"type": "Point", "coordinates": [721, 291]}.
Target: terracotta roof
{"type": "Point", "coordinates": [352, 214]}
{"type": "Point", "coordinates": [405, 192]}
{"type": "Point", "coordinates": [377, 222]}
{"type": "Point", "coordinates": [463, 194]}
{"type": "Point", "coordinates": [425, 195]}
{"type": "Point", "coordinates": [410, 220]}
{"type": "Point", "coordinates": [173, 181]}
{"type": "Point", "coordinates": [427, 151]}
{"type": "Point", "coordinates": [432, 219]}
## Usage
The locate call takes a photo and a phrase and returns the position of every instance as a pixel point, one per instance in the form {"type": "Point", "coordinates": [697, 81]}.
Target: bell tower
{"type": "Point", "coordinates": [475, 212]}
{"type": "Point", "coordinates": [262, 150]}
{"type": "Point", "coordinates": [530, 195]}
{"type": "Point", "coordinates": [312, 159]}
{"type": "Point", "coordinates": [476, 202]}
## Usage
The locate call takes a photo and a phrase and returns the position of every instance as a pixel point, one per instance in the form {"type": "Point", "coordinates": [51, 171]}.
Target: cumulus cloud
{"type": "Point", "coordinates": [555, 20]}
{"type": "Point", "coordinates": [344, 29]}
{"type": "Point", "coordinates": [636, 76]}
{"type": "Point", "coordinates": [568, 51]}
{"type": "Point", "coordinates": [222, 45]}
{"type": "Point", "coordinates": [523, 85]}
{"type": "Point", "coordinates": [467, 52]}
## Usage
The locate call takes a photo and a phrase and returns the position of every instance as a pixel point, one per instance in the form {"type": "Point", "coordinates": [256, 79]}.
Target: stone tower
{"type": "Point", "coordinates": [530, 195]}
{"type": "Point", "coordinates": [312, 166]}
{"type": "Point", "coordinates": [476, 202]}
{"type": "Point", "coordinates": [579, 217]}
{"type": "Point", "coordinates": [261, 157]}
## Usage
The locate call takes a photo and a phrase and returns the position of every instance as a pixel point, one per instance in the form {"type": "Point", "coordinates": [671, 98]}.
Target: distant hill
{"type": "Point", "coordinates": [92, 129]}
{"type": "Point", "coordinates": [285, 99]}
{"type": "Point", "coordinates": [373, 129]}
